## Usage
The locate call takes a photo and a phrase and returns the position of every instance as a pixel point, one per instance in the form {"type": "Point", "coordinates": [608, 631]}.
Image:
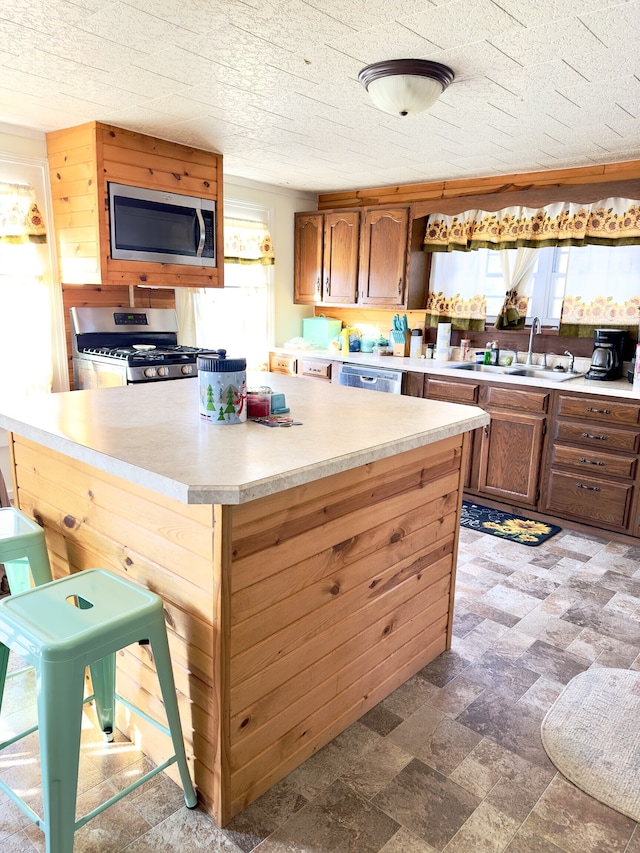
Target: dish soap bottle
{"type": "Point", "coordinates": [494, 356]}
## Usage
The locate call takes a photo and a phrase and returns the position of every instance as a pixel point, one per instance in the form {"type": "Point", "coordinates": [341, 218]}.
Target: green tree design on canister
{"type": "Point", "coordinates": [231, 409]}
{"type": "Point", "coordinates": [221, 414]}
{"type": "Point", "coordinates": [210, 403]}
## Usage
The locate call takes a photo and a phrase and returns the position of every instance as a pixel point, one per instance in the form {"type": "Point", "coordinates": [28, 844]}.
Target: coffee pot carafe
{"type": "Point", "coordinates": [606, 359]}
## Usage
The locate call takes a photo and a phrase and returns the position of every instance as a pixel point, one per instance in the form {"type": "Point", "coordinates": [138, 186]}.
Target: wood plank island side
{"type": "Point", "coordinates": [289, 615]}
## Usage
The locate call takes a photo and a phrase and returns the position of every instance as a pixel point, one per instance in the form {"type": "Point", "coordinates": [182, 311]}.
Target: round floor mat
{"type": "Point", "coordinates": [592, 735]}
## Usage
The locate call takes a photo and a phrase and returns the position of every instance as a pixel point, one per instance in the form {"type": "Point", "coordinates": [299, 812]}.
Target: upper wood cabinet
{"type": "Point", "coordinates": [81, 162]}
{"type": "Point", "coordinates": [371, 257]}
{"type": "Point", "coordinates": [326, 257]}
{"type": "Point", "coordinates": [383, 257]}
{"type": "Point", "coordinates": [341, 235]}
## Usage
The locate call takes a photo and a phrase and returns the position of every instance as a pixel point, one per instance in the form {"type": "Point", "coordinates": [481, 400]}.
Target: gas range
{"type": "Point", "coordinates": [120, 346]}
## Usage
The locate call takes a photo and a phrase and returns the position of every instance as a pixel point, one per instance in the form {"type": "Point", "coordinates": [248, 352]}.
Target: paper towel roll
{"type": "Point", "coordinates": [443, 341]}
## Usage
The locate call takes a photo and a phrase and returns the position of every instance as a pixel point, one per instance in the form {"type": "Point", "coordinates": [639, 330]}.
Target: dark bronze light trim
{"type": "Point", "coordinates": [416, 67]}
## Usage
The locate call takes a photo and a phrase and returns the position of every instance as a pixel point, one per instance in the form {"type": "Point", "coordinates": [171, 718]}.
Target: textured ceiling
{"type": "Point", "coordinates": [272, 84]}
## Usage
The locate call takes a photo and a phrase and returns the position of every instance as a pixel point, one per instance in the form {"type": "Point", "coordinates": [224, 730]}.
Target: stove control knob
{"type": "Point", "coordinates": [163, 371]}
{"type": "Point", "coordinates": [187, 369]}
{"type": "Point", "coordinates": [150, 371]}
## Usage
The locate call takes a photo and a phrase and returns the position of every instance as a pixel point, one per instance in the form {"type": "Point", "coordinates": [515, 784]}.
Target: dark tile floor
{"type": "Point", "coordinates": [452, 761]}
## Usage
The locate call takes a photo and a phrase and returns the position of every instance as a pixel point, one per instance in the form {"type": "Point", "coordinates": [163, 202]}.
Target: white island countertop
{"type": "Point", "coordinates": [152, 435]}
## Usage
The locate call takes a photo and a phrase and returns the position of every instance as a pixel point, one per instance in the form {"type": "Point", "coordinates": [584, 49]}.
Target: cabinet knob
{"type": "Point", "coordinates": [400, 286]}
{"type": "Point", "coordinates": [599, 411]}
{"type": "Point", "coordinates": [589, 488]}
{"type": "Point", "coordinates": [596, 437]}
{"type": "Point", "coordinates": [327, 286]}
{"type": "Point", "coordinates": [318, 285]}
{"type": "Point", "coordinates": [591, 462]}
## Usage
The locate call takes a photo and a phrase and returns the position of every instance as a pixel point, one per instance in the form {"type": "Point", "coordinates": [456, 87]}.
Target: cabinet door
{"type": "Point", "coordinates": [383, 257]}
{"type": "Point", "coordinates": [510, 457]}
{"type": "Point", "coordinates": [340, 273]}
{"type": "Point", "coordinates": [307, 258]}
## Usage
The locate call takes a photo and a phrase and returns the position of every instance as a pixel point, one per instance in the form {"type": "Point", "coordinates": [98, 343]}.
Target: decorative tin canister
{"type": "Point", "coordinates": [223, 388]}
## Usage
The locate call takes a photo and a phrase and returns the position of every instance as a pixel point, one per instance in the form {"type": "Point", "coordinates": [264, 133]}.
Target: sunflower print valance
{"type": "Point", "coordinates": [610, 222]}
{"type": "Point", "coordinates": [247, 242]}
{"type": "Point", "coordinates": [20, 218]}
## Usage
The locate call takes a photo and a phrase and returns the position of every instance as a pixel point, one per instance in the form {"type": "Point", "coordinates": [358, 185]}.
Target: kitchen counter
{"type": "Point", "coordinates": [152, 435]}
{"type": "Point", "coordinates": [306, 572]}
{"type": "Point", "coordinates": [620, 388]}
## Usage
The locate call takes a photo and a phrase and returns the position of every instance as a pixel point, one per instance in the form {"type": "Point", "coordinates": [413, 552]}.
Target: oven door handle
{"type": "Point", "coordinates": [200, 248]}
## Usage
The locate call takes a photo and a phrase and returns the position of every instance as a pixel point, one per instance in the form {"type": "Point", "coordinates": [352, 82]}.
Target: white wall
{"type": "Point", "coordinates": [282, 204]}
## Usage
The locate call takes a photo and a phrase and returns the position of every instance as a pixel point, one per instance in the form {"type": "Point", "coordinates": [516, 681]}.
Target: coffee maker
{"type": "Point", "coordinates": [606, 359]}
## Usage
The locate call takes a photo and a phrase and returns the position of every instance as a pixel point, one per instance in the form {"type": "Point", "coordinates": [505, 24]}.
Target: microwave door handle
{"type": "Point", "coordinates": [200, 248]}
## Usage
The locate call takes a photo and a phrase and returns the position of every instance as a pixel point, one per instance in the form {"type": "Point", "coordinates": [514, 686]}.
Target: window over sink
{"type": "Point", "coordinates": [558, 271]}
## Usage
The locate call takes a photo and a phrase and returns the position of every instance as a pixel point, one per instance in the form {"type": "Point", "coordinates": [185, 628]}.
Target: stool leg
{"type": "Point", "coordinates": [103, 680]}
{"type": "Point", "coordinates": [162, 658]}
{"type": "Point", "coordinates": [39, 564]}
{"type": "Point", "coordinates": [4, 661]}
{"type": "Point", "coordinates": [60, 695]}
{"type": "Point", "coordinates": [18, 574]}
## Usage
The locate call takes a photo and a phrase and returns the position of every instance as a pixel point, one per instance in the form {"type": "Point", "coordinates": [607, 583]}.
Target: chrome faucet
{"type": "Point", "coordinates": [572, 358]}
{"type": "Point", "coordinates": [536, 328]}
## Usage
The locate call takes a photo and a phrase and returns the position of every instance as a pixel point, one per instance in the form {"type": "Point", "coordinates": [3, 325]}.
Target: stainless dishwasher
{"type": "Point", "coordinates": [373, 378]}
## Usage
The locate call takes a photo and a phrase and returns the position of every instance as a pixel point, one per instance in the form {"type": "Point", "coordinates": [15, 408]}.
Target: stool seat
{"type": "Point", "coordinates": [22, 548]}
{"type": "Point", "coordinates": [60, 628]}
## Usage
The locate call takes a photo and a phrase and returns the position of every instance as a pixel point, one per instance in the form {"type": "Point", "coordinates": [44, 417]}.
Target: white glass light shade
{"type": "Point", "coordinates": [405, 86]}
{"type": "Point", "coordinates": [404, 95]}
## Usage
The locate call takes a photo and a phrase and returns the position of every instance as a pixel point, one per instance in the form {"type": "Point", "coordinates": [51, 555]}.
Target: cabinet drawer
{"type": "Point", "coordinates": [593, 461]}
{"type": "Point", "coordinates": [510, 398]}
{"type": "Point", "coordinates": [454, 392]}
{"type": "Point", "coordinates": [315, 368]}
{"type": "Point", "coordinates": [600, 436]}
{"type": "Point", "coordinates": [597, 409]}
{"type": "Point", "coordinates": [283, 364]}
{"type": "Point", "coordinates": [572, 496]}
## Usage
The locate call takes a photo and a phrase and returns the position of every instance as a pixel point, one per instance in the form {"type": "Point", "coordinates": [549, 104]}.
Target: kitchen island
{"type": "Point", "coordinates": [306, 571]}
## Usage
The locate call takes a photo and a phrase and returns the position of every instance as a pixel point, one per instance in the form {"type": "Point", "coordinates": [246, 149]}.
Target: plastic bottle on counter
{"type": "Point", "coordinates": [464, 348]}
{"type": "Point", "coordinates": [494, 355]}
{"type": "Point", "coordinates": [415, 344]}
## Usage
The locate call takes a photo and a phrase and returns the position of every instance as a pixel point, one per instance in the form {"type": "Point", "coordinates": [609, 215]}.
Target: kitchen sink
{"type": "Point", "coordinates": [529, 371]}
{"type": "Point", "coordinates": [483, 368]}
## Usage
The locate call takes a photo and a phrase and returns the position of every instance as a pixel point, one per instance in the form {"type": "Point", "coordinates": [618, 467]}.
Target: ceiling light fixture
{"type": "Point", "coordinates": [405, 86]}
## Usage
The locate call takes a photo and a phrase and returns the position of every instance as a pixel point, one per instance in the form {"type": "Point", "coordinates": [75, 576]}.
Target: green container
{"type": "Point", "coordinates": [320, 330]}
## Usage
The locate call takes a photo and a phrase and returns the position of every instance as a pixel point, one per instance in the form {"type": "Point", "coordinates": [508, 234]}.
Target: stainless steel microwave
{"type": "Point", "coordinates": [163, 227]}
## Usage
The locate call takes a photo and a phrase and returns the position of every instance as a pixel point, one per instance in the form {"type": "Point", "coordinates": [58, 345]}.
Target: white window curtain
{"type": "Point", "coordinates": [31, 315]}
{"type": "Point", "coordinates": [456, 292]}
{"type": "Point", "coordinates": [517, 267]}
{"type": "Point", "coordinates": [601, 290]}
{"type": "Point", "coordinates": [26, 341]}
{"type": "Point", "coordinates": [237, 317]}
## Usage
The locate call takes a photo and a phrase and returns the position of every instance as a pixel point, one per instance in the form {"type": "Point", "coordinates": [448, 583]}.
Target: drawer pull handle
{"type": "Point", "coordinates": [599, 411]}
{"type": "Point", "coordinates": [591, 462]}
{"type": "Point", "coordinates": [597, 437]}
{"type": "Point", "coordinates": [590, 488]}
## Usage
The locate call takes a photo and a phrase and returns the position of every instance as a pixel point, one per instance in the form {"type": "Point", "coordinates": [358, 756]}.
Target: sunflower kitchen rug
{"type": "Point", "coordinates": [515, 528]}
{"type": "Point", "coordinates": [592, 735]}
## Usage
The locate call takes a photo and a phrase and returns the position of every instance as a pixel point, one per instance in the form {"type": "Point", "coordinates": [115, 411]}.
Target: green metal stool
{"type": "Point", "coordinates": [23, 550]}
{"type": "Point", "coordinates": [60, 628]}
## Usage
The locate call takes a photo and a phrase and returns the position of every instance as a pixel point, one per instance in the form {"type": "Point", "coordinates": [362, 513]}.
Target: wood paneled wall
{"type": "Point", "coordinates": [590, 183]}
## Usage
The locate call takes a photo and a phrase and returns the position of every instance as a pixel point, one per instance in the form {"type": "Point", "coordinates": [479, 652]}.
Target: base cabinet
{"type": "Point", "coordinates": [593, 462]}
{"type": "Point", "coordinates": [510, 452]}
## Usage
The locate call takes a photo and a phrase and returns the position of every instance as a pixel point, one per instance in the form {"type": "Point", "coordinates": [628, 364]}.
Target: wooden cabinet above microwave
{"type": "Point", "coordinates": [82, 161]}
